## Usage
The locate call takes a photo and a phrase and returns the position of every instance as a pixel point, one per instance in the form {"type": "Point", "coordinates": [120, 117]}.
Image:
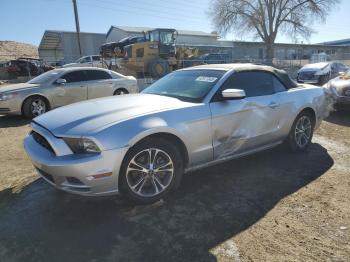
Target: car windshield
{"type": "Point", "coordinates": [45, 77]}
{"type": "Point", "coordinates": [186, 85]}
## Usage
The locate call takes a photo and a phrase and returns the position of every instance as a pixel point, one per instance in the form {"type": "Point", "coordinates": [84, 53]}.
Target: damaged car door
{"type": "Point", "coordinates": [245, 124]}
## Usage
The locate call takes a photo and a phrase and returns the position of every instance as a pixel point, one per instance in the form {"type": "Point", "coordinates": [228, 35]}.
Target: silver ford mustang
{"type": "Point", "coordinates": [140, 145]}
{"type": "Point", "coordinates": [61, 87]}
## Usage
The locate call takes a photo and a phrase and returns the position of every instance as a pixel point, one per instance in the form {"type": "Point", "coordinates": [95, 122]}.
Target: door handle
{"type": "Point", "coordinates": [273, 105]}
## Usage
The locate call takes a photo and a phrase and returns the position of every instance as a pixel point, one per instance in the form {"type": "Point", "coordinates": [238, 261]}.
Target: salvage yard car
{"type": "Point", "coordinates": [61, 87]}
{"type": "Point", "coordinates": [320, 73]}
{"type": "Point", "coordinates": [340, 88]}
{"type": "Point", "coordinates": [140, 145]}
{"type": "Point", "coordinates": [87, 61]}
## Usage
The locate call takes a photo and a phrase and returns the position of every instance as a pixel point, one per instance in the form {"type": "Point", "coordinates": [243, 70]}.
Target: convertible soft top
{"type": "Point", "coordinates": [280, 74]}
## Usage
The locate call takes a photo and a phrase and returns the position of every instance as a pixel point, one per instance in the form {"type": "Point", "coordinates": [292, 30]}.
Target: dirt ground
{"type": "Point", "coordinates": [273, 206]}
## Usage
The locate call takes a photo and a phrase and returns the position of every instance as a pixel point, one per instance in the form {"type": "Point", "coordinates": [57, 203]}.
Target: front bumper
{"type": "Point", "coordinates": [10, 107]}
{"type": "Point", "coordinates": [342, 100]}
{"type": "Point", "coordinates": [72, 172]}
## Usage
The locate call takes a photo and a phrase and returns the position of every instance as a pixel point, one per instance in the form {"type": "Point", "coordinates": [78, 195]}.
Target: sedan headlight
{"type": "Point", "coordinates": [82, 145]}
{"type": "Point", "coordinates": [6, 96]}
{"type": "Point", "coordinates": [347, 92]}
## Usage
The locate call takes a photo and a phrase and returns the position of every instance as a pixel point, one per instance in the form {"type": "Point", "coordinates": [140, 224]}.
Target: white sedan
{"type": "Point", "coordinates": [61, 87]}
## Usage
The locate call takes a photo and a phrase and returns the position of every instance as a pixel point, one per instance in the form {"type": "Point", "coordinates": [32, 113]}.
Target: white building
{"type": "Point", "coordinates": [62, 46]}
{"type": "Point", "coordinates": [116, 33]}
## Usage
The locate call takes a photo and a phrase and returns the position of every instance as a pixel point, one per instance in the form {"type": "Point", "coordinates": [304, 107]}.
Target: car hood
{"type": "Point", "coordinates": [339, 83]}
{"type": "Point", "coordinates": [84, 118]}
{"type": "Point", "coordinates": [17, 87]}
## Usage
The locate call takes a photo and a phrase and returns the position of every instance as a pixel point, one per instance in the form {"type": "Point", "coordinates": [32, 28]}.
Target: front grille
{"type": "Point", "coordinates": [42, 141]}
{"type": "Point", "coordinates": [4, 109]}
{"type": "Point", "coordinates": [46, 175]}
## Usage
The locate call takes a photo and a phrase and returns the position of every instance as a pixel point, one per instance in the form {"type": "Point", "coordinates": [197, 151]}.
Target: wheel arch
{"type": "Point", "coordinates": [311, 111]}
{"type": "Point", "coordinates": [174, 139]}
{"type": "Point", "coordinates": [120, 88]}
{"type": "Point", "coordinates": [47, 101]}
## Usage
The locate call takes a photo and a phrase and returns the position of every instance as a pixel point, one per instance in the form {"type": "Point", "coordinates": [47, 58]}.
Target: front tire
{"type": "Point", "coordinates": [150, 171]}
{"type": "Point", "coordinates": [34, 106]}
{"type": "Point", "coordinates": [301, 133]}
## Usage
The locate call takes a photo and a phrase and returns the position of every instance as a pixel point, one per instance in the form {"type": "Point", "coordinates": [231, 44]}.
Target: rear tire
{"type": "Point", "coordinates": [34, 106]}
{"type": "Point", "coordinates": [120, 91]}
{"type": "Point", "coordinates": [301, 133]}
{"type": "Point", "coordinates": [150, 171]}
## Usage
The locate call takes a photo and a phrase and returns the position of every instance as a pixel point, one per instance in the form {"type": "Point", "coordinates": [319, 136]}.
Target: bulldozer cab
{"type": "Point", "coordinates": [165, 39]}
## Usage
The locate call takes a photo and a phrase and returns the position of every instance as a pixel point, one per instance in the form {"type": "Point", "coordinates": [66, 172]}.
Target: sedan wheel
{"type": "Point", "coordinates": [38, 107]}
{"type": "Point", "coordinates": [150, 170]}
{"type": "Point", "coordinates": [120, 92]}
{"type": "Point", "coordinates": [34, 106]}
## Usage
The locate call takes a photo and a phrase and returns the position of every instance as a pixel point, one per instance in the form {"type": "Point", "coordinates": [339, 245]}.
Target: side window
{"type": "Point", "coordinates": [97, 75]}
{"type": "Point", "coordinates": [254, 83]}
{"type": "Point", "coordinates": [86, 59]}
{"type": "Point", "coordinates": [75, 76]}
{"type": "Point", "coordinates": [277, 85]}
{"type": "Point", "coordinates": [95, 58]}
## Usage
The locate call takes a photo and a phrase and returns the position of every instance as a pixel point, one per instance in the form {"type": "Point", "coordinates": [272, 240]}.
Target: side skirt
{"type": "Point", "coordinates": [222, 160]}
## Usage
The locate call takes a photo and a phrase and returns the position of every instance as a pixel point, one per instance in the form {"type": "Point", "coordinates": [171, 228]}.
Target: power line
{"type": "Point", "coordinates": [143, 9]}
{"type": "Point", "coordinates": [148, 6]}
{"type": "Point", "coordinates": [142, 14]}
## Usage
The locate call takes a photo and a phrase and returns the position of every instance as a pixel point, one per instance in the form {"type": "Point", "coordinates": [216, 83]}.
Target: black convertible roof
{"type": "Point", "coordinates": [280, 74]}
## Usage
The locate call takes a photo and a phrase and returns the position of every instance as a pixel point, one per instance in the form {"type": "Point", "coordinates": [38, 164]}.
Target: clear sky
{"type": "Point", "coordinates": [26, 20]}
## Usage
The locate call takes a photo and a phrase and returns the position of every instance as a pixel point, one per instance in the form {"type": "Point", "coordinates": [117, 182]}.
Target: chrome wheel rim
{"type": "Point", "coordinates": [120, 92]}
{"type": "Point", "coordinates": [303, 129]}
{"type": "Point", "coordinates": [38, 107]}
{"type": "Point", "coordinates": [150, 172]}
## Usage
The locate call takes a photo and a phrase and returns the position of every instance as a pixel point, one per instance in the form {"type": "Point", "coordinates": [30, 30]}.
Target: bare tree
{"type": "Point", "coordinates": [266, 18]}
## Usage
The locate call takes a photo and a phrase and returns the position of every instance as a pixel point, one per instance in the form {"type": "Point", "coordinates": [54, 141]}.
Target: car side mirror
{"type": "Point", "coordinates": [61, 81]}
{"type": "Point", "coordinates": [231, 94]}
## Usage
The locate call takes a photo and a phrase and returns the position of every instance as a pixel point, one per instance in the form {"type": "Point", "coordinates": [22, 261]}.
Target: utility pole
{"type": "Point", "coordinates": [77, 24]}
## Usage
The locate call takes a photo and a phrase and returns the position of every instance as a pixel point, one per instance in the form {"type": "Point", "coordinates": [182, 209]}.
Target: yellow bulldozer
{"type": "Point", "coordinates": [156, 56]}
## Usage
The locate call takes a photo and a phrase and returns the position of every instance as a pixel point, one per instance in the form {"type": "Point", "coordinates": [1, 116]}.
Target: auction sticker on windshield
{"type": "Point", "coordinates": [209, 79]}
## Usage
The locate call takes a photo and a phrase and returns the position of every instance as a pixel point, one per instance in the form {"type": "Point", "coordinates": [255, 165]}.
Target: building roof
{"type": "Point", "coordinates": [342, 42]}
{"type": "Point", "coordinates": [52, 39]}
{"type": "Point", "coordinates": [133, 29]}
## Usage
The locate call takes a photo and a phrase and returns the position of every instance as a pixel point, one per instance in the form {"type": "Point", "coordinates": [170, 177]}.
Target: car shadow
{"type": "Point", "coordinates": [341, 118]}
{"type": "Point", "coordinates": [13, 121]}
{"type": "Point", "coordinates": [211, 206]}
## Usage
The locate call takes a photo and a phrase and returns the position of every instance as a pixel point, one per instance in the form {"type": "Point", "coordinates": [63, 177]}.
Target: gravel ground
{"type": "Point", "coordinates": [272, 206]}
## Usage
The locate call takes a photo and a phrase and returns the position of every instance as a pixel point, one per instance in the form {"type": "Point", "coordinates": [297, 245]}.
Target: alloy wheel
{"type": "Point", "coordinates": [303, 130]}
{"type": "Point", "coordinates": [38, 107]}
{"type": "Point", "coordinates": [150, 172]}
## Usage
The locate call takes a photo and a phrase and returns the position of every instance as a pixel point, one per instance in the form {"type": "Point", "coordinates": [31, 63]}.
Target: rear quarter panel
{"type": "Point", "coordinates": [306, 96]}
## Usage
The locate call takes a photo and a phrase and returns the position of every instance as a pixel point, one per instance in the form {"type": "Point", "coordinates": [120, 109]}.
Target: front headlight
{"type": "Point", "coordinates": [6, 96]}
{"type": "Point", "coordinates": [82, 145]}
{"type": "Point", "coordinates": [347, 92]}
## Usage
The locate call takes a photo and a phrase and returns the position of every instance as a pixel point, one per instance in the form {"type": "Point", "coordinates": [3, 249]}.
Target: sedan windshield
{"type": "Point", "coordinates": [45, 77]}
{"type": "Point", "coordinates": [187, 85]}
